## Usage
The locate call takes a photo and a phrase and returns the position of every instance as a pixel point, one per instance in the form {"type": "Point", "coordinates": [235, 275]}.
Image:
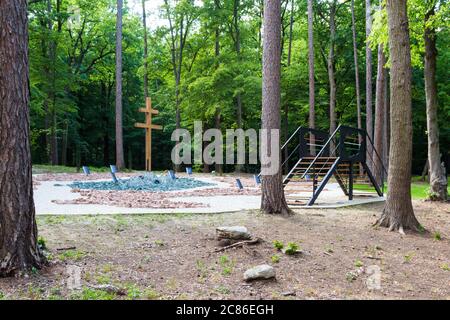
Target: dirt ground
{"type": "Point", "coordinates": [173, 257]}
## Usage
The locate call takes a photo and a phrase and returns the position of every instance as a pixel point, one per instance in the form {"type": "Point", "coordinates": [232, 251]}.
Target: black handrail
{"type": "Point", "coordinates": [290, 155]}
{"type": "Point", "coordinates": [285, 145]}
{"type": "Point", "coordinates": [290, 138]}
{"type": "Point", "coordinates": [374, 149]}
{"type": "Point", "coordinates": [321, 151]}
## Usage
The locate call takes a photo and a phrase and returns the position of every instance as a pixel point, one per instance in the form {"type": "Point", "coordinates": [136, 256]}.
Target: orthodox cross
{"type": "Point", "coordinates": [148, 126]}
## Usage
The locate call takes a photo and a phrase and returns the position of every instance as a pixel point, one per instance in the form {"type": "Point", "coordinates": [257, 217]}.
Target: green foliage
{"type": "Point", "coordinates": [73, 255]}
{"type": "Point", "coordinates": [351, 276]}
{"type": "Point", "coordinates": [151, 294]}
{"type": "Point", "coordinates": [437, 236]}
{"type": "Point", "coordinates": [42, 243]}
{"type": "Point", "coordinates": [419, 189]}
{"type": "Point", "coordinates": [227, 265]}
{"type": "Point", "coordinates": [222, 289]}
{"type": "Point", "coordinates": [358, 263]}
{"type": "Point", "coordinates": [275, 258]}
{"type": "Point", "coordinates": [278, 245]}
{"type": "Point", "coordinates": [72, 73]}
{"type": "Point", "coordinates": [93, 294]}
{"type": "Point", "coordinates": [408, 257]}
{"type": "Point", "coordinates": [291, 249]}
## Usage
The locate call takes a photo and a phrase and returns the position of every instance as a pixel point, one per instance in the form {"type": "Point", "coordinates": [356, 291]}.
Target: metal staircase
{"type": "Point", "coordinates": [318, 157]}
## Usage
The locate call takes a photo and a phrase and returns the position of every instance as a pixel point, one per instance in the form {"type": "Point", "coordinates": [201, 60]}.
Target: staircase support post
{"type": "Point", "coordinates": [323, 182]}
{"type": "Point", "coordinates": [350, 181]}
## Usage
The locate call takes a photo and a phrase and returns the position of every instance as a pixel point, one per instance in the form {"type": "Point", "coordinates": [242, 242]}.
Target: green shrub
{"type": "Point", "coordinates": [291, 249]}
{"type": "Point", "coordinates": [278, 245]}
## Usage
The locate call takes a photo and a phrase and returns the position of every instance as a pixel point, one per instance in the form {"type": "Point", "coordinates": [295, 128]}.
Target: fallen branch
{"type": "Point", "coordinates": [239, 244]}
{"type": "Point", "coordinates": [65, 249]}
{"type": "Point", "coordinates": [373, 258]}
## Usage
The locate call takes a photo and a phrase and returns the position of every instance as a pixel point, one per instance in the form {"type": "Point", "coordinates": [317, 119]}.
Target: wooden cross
{"type": "Point", "coordinates": [148, 126]}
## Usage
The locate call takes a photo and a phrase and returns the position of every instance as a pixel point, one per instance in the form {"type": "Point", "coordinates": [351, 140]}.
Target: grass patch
{"type": "Point", "coordinates": [93, 294]}
{"type": "Point", "coordinates": [275, 258]}
{"type": "Point", "coordinates": [151, 294]}
{"type": "Point", "coordinates": [419, 189]}
{"type": "Point", "coordinates": [46, 168]}
{"type": "Point", "coordinates": [73, 255]}
{"type": "Point", "coordinates": [227, 265]}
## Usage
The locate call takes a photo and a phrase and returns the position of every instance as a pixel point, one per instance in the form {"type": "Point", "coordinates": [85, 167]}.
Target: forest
{"type": "Point", "coordinates": [203, 62]}
{"type": "Point", "coordinates": [345, 105]}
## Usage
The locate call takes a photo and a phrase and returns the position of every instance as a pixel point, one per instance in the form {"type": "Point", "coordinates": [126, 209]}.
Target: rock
{"type": "Point", "coordinates": [234, 233]}
{"type": "Point", "coordinates": [289, 293]}
{"type": "Point", "coordinates": [259, 272]}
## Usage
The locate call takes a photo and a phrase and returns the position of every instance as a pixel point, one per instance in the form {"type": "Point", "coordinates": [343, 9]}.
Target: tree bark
{"type": "Point", "coordinates": [369, 107]}
{"type": "Point", "coordinates": [398, 213]}
{"type": "Point", "coordinates": [291, 27]}
{"type": "Point", "coordinates": [438, 179]}
{"type": "Point", "coordinates": [331, 71]}
{"type": "Point", "coordinates": [312, 111]}
{"type": "Point", "coordinates": [286, 106]}
{"type": "Point", "coordinates": [273, 200]}
{"type": "Point", "coordinates": [237, 44]}
{"type": "Point", "coordinates": [177, 60]}
{"type": "Point", "coordinates": [379, 117]}
{"type": "Point", "coordinates": [355, 60]}
{"type": "Point", "coordinates": [144, 22]}
{"type": "Point", "coordinates": [65, 142]}
{"type": "Point", "coordinates": [358, 93]}
{"type": "Point", "coordinates": [120, 161]}
{"type": "Point", "coordinates": [18, 231]}
{"type": "Point", "coordinates": [217, 116]}
{"type": "Point", "coordinates": [386, 125]}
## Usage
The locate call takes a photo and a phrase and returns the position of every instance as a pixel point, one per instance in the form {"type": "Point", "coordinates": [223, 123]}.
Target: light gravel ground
{"type": "Point", "coordinates": [48, 191]}
{"type": "Point", "coordinates": [55, 197]}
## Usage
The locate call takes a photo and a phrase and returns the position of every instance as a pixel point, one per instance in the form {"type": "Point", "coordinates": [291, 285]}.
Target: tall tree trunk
{"type": "Point", "coordinates": [237, 36]}
{"type": "Point", "coordinates": [286, 106]}
{"type": "Point", "coordinates": [217, 116]}
{"type": "Point", "coordinates": [105, 94]}
{"type": "Point", "coordinates": [369, 107]}
{"type": "Point", "coordinates": [379, 116]}
{"type": "Point", "coordinates": [144, 22]}
{"type": "Point", "coordinates": [18, 231]}
{"type": "Point", "coordinates": [331, 73]}
{"type": "Point", "coordinates": [65, 141]}
{"type": "Point", "coordinates": [291, 27]}
{"type": "Point", "coordinates": [177, 60]}
{"type": "Point", "coordinates": [386, 125]}
{"type": "Point", "coordinates": [398, 213]}
{"type": "Point", "coordinates": [51, 93]}
{"type": "Point", "coordinates": [120, 161]}
{"type": "Point", "coordinates": [273, 199]}
{"type": "Point", "coordinates": [312, 110]}
{"type": "Point", "coordinates": [438, 179]}
{"type": "Point", "coordinates": [355, 60]}
{"type": "Point", "coordinates": [54, 137]}
{"type": "Point", "coordinates": [217, 122]}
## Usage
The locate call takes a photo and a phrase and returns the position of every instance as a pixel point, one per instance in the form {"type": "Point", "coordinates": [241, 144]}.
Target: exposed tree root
{"type": "Point", "coordinates": [400, 223]}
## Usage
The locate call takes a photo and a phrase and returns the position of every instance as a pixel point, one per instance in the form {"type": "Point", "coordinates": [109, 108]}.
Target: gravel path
{"type": "Point", "coordinates": [56, 198]}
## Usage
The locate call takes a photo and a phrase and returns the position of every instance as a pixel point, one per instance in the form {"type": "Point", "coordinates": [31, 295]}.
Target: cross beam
{"type": "Point", "coordinates": [148, 126]}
